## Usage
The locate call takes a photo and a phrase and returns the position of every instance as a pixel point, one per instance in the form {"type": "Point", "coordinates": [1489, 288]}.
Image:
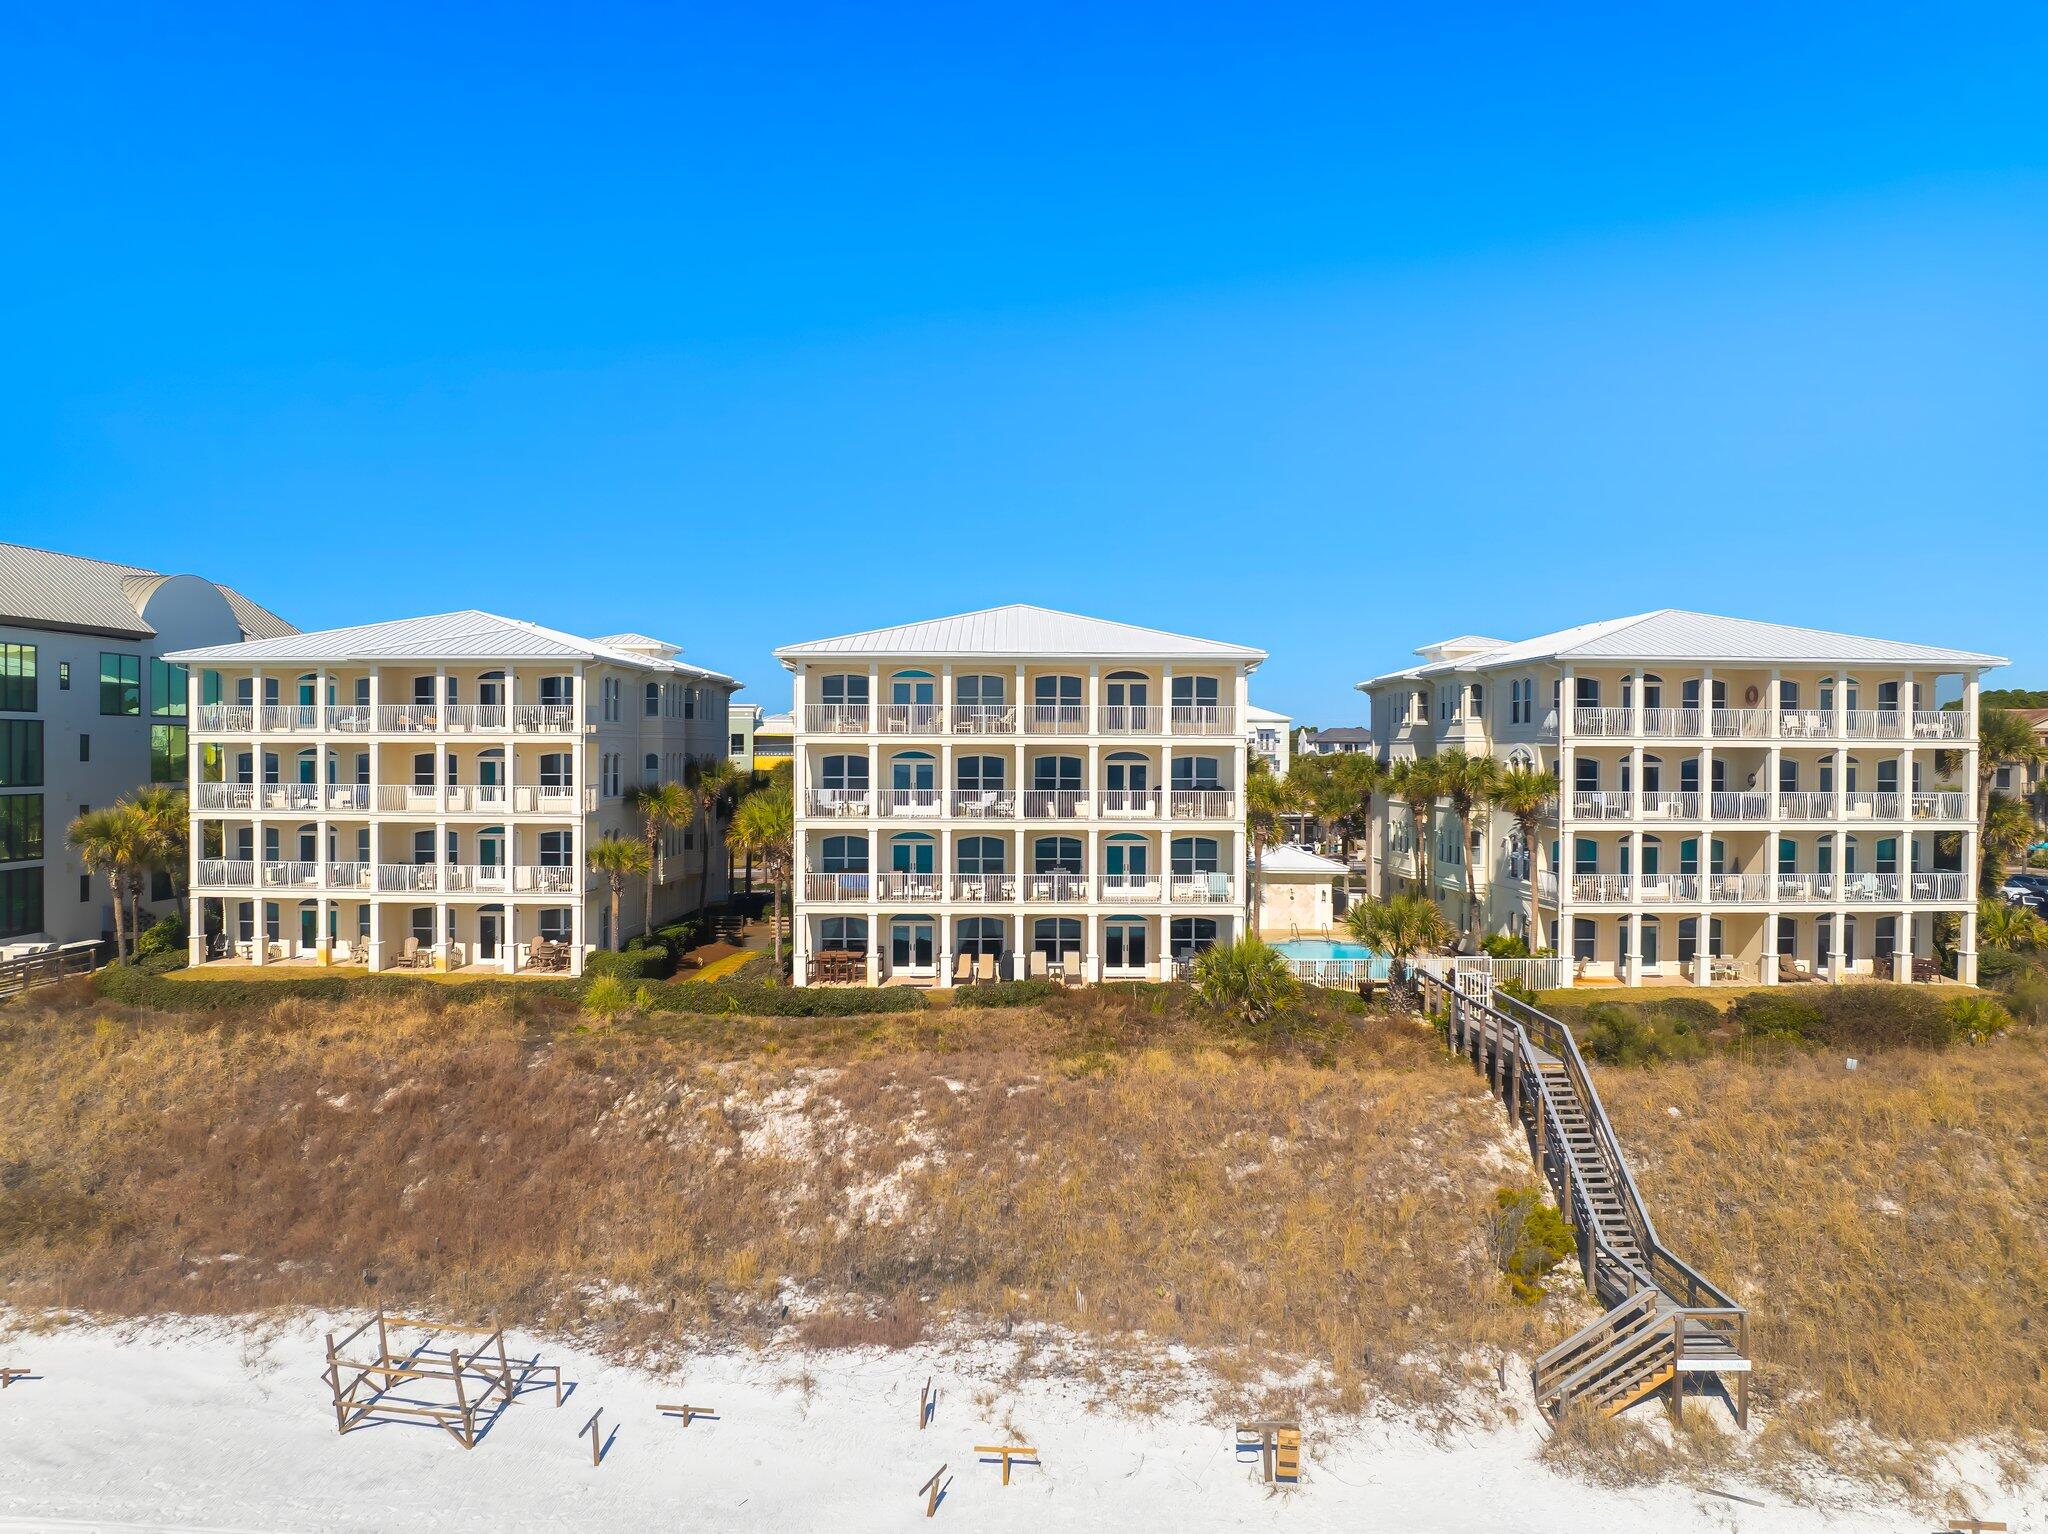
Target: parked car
{"type": "Point", "coordinates": [2020, 894]}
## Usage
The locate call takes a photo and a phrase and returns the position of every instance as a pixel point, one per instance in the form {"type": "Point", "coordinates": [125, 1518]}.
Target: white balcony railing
{"type": "Point", "coordinates": [1949, 887]}
{"type": "Point", "coordinates": [1203, 889]}
{"type": "Point", "coordinates": [351, 876]}
{"type": "Point", "coordinates": [1940, 724]}
{"type": "Point", "coordinates": [1740, 806]}
{"type": "Point", "coordinates": [1055, 886]}
{"type": "Point", "coordinates": [1204, 719]}
{"type": "Point", "coordinates": [1202, 803]}
{"type": "Point", "coordinates": [1875, 724]}
{"type": "Point", "coordinates": [1603, 721]}
{"type": "Point", "coordinates": [1806, 805]}
{"type": "Point", "coordinates": [991, 887]}
{"type": "Point", "coordinates": [402, 877]}
{"type": "Point", "coordinates": [1055, 803]}
{"type": "Point", "coordinates": [1667, 804]}
{"type": "Point", "coordinates": [1729, 889]}
{"type": "Point", "coordinates": [912, 718]}
{"type": "Point", "coordinates": [226, 719]}
{"type": "Point", "coordinates": [1605, 805]}
{"type": "Point", "coordinates": [543, 719]}
{"type": "Point", "coordinates": [1864, 804]}
{"type": "Point", "coordinates": [984, 803]}
{"type": "Point", "coordinates": [1131, 719]}
{"type": "Point", "coordinates": [828, 888]}
{"type": "Point", "coordinates": [1130, 887]}
{"type": "Point", "coordinates": [1671, 721]}
{"type": "Point", "coordinates": [836, 719]}
{"type": "Point", "coordinates": [984, 719]}
{"type": "Point", "coordinates": [1941, 806]}
{"type": "Point", "coordinates": [909, 886]}
{"type": "Point", "coordinates": [1128, 801]}
{"type": "Point", "coordinates": [912, 803]}
{"type": "Point", "coordinates": [1805, 724]}
{"type": "Point", "coordinates": [224, 873]}
{"type": "Point", "coordinates": [1056, 719]}
{"type": "Point", "coordinates": [839, 803]}
{"type": "Point", "coordinates": [1739, 723]}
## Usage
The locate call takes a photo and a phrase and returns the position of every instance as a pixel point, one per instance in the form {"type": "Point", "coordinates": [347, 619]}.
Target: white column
{"type": "Point", "coordinates": [1771, 914]}
{"type": "Point", "coordinates": [1091, 960]}
{"type": "Point", "coordinates": [323, 943]}
{"type": "Point", "coordinates": [579, 913]}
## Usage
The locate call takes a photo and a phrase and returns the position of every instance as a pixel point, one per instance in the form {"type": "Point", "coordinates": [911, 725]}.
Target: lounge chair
{"type": "Point", "coordinates": [963, 969]}
{"type": "Point", "coordinates": [1790, 970]}
{"type": "Point", "coordinates": [1070, 966]}
{"type": "Point", "coordinates": [1038, 965]}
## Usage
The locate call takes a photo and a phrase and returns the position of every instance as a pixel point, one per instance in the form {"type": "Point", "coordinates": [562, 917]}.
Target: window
{"type": "Point", "coordinates": [1056, 855]}
{"type": "Point", "coordinates": [843, 855]}
{"type": "Point", "coordinates": [1190, 935]}
{"type": "Point", "coordinates": [21, 753]}
{"type": "Point", "coordinates": [652, 707]}
{"type": "Point", "coordinates": [166, 689]}
{"type": "Point", "coordinates": [18, 681]}
{"type": "Point", "coordinates": [21, 828]}
{"type": "Point", "coordinates": [85, 889]}
{"type": "Point", "coordinates": [1056, 936]}
{"type": "Point", "coordinates": [982, 934]}
{"type": "Point", "coordinates": [1478, 704]}
{"type": "Point", "coordinates": [84, 746]}
{"type": "Point", "coordinates": [843, 934]}
{"type": "Point", "coordinates": [63, 676]}
{"type": "Point", "coordinates": [120, 684]}
{"type": "Point", "coordinates": [981, 854]}
{"type": "Point", "coordinates": [689, 703]}
{"type": "Point", "coordinates": [1124, 945]}
{"type": "Point", "coordinates": [650, 765]}
{"type": "Point", "coordinates": [1585, 938]}
{"type": "Point", "coordinates": [21, 901]}
{"type": "Point", "coordinates": [557, 849]}
{"type": "Point", "coordinates": [167, 753]}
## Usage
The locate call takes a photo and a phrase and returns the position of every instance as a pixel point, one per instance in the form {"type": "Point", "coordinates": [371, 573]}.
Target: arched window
{"type": "Point", "coordinates": [555, 770]}
{"type": "Point", "coordinates": [913, 772]}
{"type": "Point", "coordinates": [844, 772]}
{"type": "Point", "coordinates": [1056, 855]}
{"type": "Point", "coordinates": [1197, 773]}
{"type": "Point", "coordinates": [1056, 936]}
{"type": "Point", "coordinates": [1195, 855]}
{"type": "Point", "coordinates": [913, 687]}
{"type": "Point", "coordinates": [1126, 772]}
{"type": "Point", "coordinates": [978, 774]}
{"type": "Point", "coordinates": [982, 935]}
{"type": "Point", "coordinates": [981, 854]}
{"type": "Point", "coordinates": [843, 934]}
{"type": "Point", "coordinates": [1056, 773]}
{"type": "Point", "coordinates": [843, 855]}
{"type": "Point", "coordinates": [490, 689]}
{"type": "Point", "coordinates": [1190, 935]}
{"type": "Point", "coordinates": [848, 690]}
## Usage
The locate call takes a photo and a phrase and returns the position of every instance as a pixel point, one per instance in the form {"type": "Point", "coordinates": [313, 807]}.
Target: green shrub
{"type": "Point", "coordinates": [138, 987]}
{"type": "Point", "coordinates": [1975, 1018]}
{"type": "Point", "coordinates": [164, 935]}
{"type": "Point", "coordinates": [606, 997]}
{"type": "Point", "coordinates": [1639, 1033]}
{"type": "Point", "coordinates": [1528, 1238]}
{"type": "Point", "coordinates": [1006, 993]}
{"type": "Point", "coordinates": [2025, 995]}
{"type": "Point", "coordinates": [1246, 980]}
{"type": "Point", "coordinates": [1867, 1017]}
{"type": "Point", "coordinates": [1996, 964]}
{"type": "Point", "coordinates": [634, 962]}
{"type": "Point", "coordinates": [743, 999]}
{"type": "Point", "coordinates": [678, 936]}
{"type": "Point", "coordinates": [162, 961]}
{"type": "Point", "coordinates": [1505, 945]}
{"type": "Point", "coordinates": [1780, 1014]}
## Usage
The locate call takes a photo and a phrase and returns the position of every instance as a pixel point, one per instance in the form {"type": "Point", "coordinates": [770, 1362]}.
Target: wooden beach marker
{"type": "Point", "coordinates": [596, 1437]}
{"type": "Point", "coordinates": [931, 1491]}
{"type": "Point", "coordinates": [1279, 1446]}
{"type": "Point", "coordinates": [1008, 1451]}
{"type": "Point", "coordinates": [927, 1405]}
{"type": "Point", "coordinates": [689, 1414]}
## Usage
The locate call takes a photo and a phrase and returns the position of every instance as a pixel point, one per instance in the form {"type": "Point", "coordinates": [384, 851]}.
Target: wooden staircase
{"type": "Point", "coordinates": [1664, 1322]}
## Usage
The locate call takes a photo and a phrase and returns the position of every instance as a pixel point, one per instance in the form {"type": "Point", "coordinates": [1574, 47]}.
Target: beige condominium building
{"type": "Point", "coordinates": [426, 791]}
{"type": "Point", "coordinates": [978, 793]}
{"type": "Point", "coordinates": [1739, 800]}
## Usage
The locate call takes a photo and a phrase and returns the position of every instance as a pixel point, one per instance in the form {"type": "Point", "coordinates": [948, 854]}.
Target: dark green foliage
{"type": "Point", "coordinates": [137, 987]}
{"type": "Point", "coordinates": [165, 935]}
{"type": "Point", "coordinates": [1641, 1033]}
{"type": "Point", "coordinates": [1528, 1238]}
{"type": "Point", "coordinates": [1007, 993]}
{"type": "Point", "coordinates": [739, 998]}
{"type": "Point", "coordinates": [635, 962]}
{"type": "Point", "coordinates": [161, 961]}
{"type": "Point", "coordinates": [1505, 945]}
{"type": "Point", "coordinates": [1781, 1014]}
{"type": "Point", "coordinates": [678, 936]}
{"type": "Point", "coordinates": [1854, 1017]}
{"type": "Point", "coordinates": [1997, 964]}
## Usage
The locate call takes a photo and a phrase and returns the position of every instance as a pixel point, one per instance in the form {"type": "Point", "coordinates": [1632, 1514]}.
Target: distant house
{"type": "Point", "coordinates": [1309, 741]}
{"type": "Point", "coordinates": [1266, 730]}
{"type": "Point", "coordinates": [742, 720]}
{"type": "Point", "coordinates": [2026, 779]}
{"type": "Point", "coordinates": [774, 740]}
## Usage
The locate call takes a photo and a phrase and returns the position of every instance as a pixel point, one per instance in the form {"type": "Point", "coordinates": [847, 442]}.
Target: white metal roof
{"type": "Point", "coordinates": [41, 588]}
{"type": "Point", "coordinates": [1673, 634]}
{"type": "Point", "coordinates": [1266, 715]}
{"type": "Point", "coordinates": [1022, 630]}
{"type": "Point", "coordinates": [1290, 859]}
{"type": "Point", "coordinates": [459, 636]}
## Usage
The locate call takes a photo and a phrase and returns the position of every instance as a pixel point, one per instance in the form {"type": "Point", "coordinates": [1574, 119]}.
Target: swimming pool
{"type": "Point", "coordinates": [1321, 950]}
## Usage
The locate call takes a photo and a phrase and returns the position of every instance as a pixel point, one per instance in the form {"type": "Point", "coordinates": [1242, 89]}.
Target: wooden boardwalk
{"type": "Point", "coordinates": [1664, 1322]}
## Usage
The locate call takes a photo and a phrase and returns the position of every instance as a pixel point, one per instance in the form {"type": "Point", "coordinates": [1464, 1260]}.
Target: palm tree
{"type": "Point", "coordinates": [1417, 782]}
{"type": "Point", "coordinates": [2009, 830]}
{"type": "Point", "coordinates": [1401, 928]}
{"type": "Point", "coordinates": [1266, 800]}
{"type": "Point", "coordinates": [764, 828]}
{"type": "Point", "coordinates": [660, 806]}
{"type": "Point", "coordinates": [617, 859]}
{"type": "Point", "coordinates": [1246, 978]}
{"type": "Point", "coordinates": [714, 786]}
{"type": "Point", "coordinates": [166, 818]}
{"type": "Point", "coordinates": [114, 842]}
{"type": "Point", "coordinates": [2004, 739]}
{"type": "Point", "coordinates": [2002, 924]}
{"type": "Point", "coordinates": [1526, 794]}
{"type": "Point", "coordinates": [1468, 783]}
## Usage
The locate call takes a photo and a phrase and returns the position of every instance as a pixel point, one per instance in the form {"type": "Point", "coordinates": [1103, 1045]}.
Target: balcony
{"type": "Point", "coordinates": [1793, 724]}
{"type": "Point", "coordinates": [911, 719]}
{"type": "Point", "coordinates": [1940, 724]}
{"type": "Point", "coordinates": [1806, 806]}
{"type": "Point", "coordinates": [839, 803]}
{"type": "Point", "coordinates": [1739, 806]}
{"type": "Point", "coordinates": [1131, 719]}
{"type": "Point", "coordinates": [1757, 888]}
{"type": "Point", "coordinates": [247, 798]}
{"type": "Point", "coordinates": [1739, 723]}
{"type": "Point", "coordinates": [389, 719]}
{"type": "Point", "coordinates": [477, 878]}
{"type": "Point", "coordinates": [1202, 804]}
{"type": "Point", "coordinates": [1128, 802]}
{"type": "Point", "coordinates": [909, 886]}
{"type": "Point", "coordinates": [984, 719]}
{"type": "Point", "coordinates": [987, 887]}
{"type": "Point", "coordinates": [1941, 806]}
{"type": "Point", "coordinates": [836, 719]}
{"type": "Point", "coordinates": [825, 889]}
{"type": "Point", "coordinates": [984, 804]}
{"type": "Point", "coordinates": [1056, 886]}
{"type": "Point", "coordinates": [1055, 803]}
{"type": "Point", "coordinates": [1610, 805]}
{"type": "Point", "coordinates": [1204, 719]}
{"type": "Point", "coordinates": [1663, 804]}
{"type": "Point", "coordinates": [1671, 721]}
{"type": "Point", "coordinates": [481, 799]}
{"type": "Point", "coordinates": [1056, 719]}
{"type": "Point", "coordinates": [1866, 805]}
{"type": "Point", "coordinates": [1202, 889]}
{"type": "Point", "coordinates": [1134, 888]}
{"type": "Point", "coordinates": [911, 803]}
{"type": "Point", "coordinates": [1603, 721]}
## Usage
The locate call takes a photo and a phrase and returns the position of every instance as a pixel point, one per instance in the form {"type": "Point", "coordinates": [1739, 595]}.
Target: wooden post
{"type": "Point", "coordinates": [334, 1380]}
{"type": "Point", "coordinates": [468, 1434]}
{"type": "Point", "coordinates": [924, 1406]}
{"type": "Point", "coordinates": [931, 1491]}
{"type": "Point", "coordinates": [596, 1437]}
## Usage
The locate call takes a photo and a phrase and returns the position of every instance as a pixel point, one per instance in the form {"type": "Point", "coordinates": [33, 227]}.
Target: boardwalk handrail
{"type": "Point", "coordinates": [50, 965]}
{"type": "Point", "coordinates": [1645, 1290]}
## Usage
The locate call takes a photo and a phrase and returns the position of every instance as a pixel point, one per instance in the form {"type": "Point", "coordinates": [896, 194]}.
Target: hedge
{"type": "Point", "coordinates": [637, 961]}
{"type": "Point", "coordinates": [1006, 993]}
{"type": "Point", "coordinates": [138, 987]}
{"type": "Point", "coordinates": [753, 999]}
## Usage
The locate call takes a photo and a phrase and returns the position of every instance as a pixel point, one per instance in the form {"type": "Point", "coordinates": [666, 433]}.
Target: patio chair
{"type": "Point", "coordinates": [985, 969]}
{"type": "Point", "coordinates": [411, 957]}
{"type": "Point", "coordinates": [963, 969]}
{"type": "Point", "coordinates": [1038, 966]}
{"type": "Point", "coordinates": [1070, 966]}
{"type": "Point", "coordinates": [1790, 970]}
{"type": "Point", "coordinates": [1926, 970]}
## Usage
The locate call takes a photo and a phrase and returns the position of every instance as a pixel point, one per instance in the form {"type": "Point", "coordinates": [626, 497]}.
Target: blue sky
{"type": "Point", "coordinates": [1332, 330]}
